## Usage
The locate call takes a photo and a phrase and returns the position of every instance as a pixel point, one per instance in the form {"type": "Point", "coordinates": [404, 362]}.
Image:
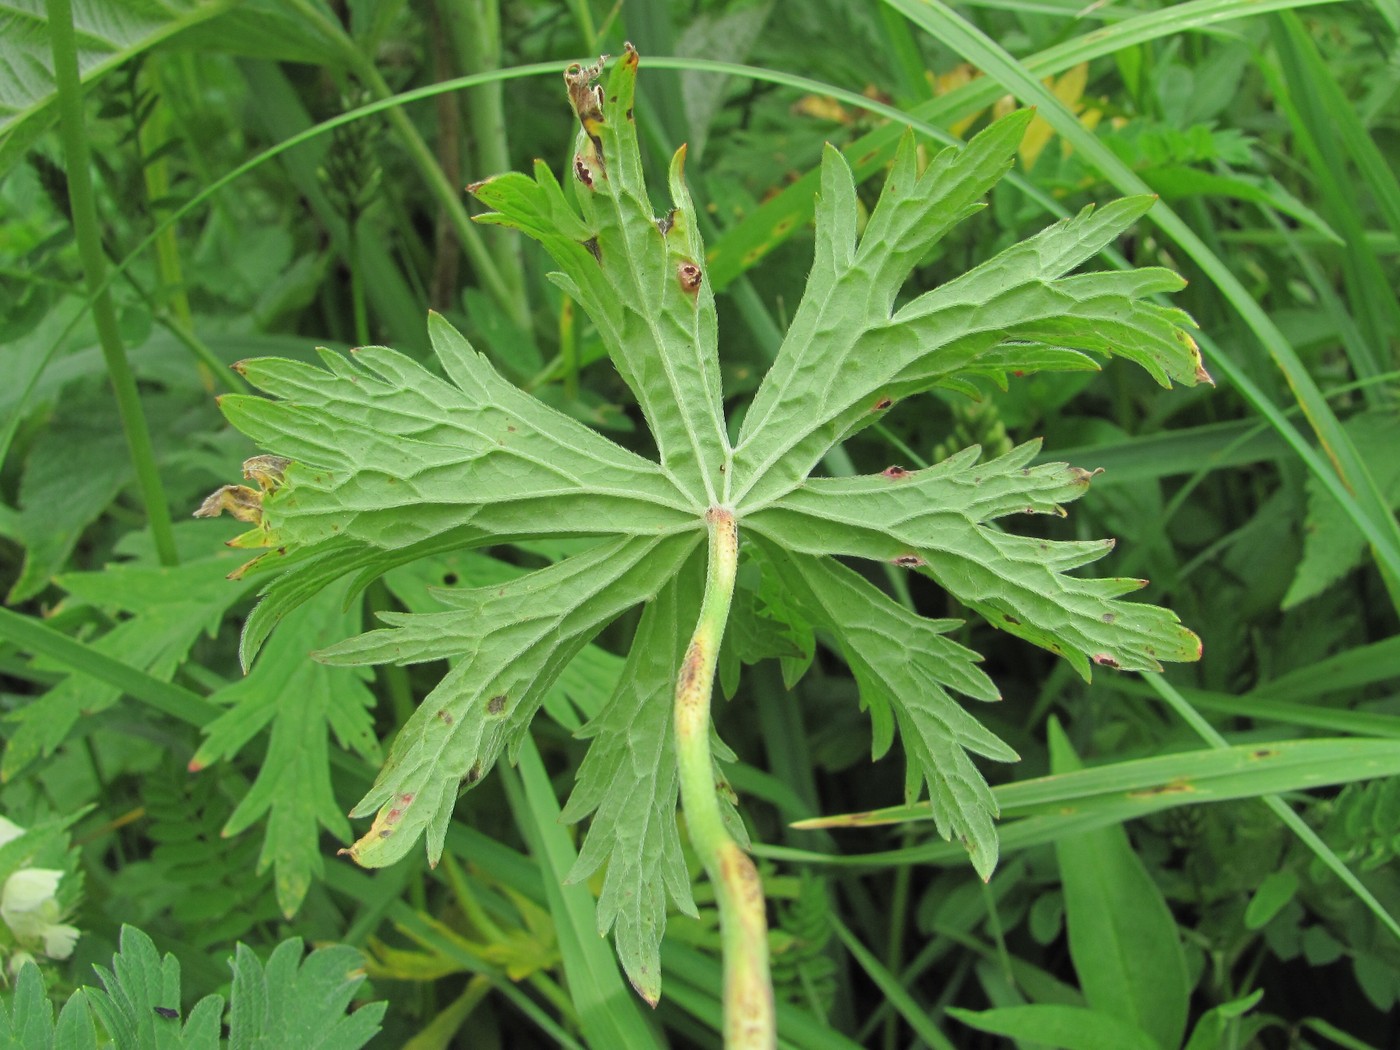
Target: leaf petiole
{"type": "Point", "coordinates": [748, 990]}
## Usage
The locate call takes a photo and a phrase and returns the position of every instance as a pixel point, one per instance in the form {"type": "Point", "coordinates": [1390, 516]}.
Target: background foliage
{"type": "Point", "coordinates": [1171, 848]}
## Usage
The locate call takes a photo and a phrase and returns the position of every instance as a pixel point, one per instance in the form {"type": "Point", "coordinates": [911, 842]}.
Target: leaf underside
{"type": "Point", "coordinates": [392, 462]}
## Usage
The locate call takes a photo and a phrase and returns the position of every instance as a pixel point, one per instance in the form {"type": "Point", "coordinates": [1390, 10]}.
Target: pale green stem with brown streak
{"type": "Point", "coordinates": [748, 988]}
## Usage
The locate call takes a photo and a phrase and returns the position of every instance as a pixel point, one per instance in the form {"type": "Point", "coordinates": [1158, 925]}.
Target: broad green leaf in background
{"type": "Point", "coordinates": [169, 609]}
{"type": "Point", "coordinates": [1061, 1027]}
{"type": "Point", "coordinates": [111, 32]}
{"type": "Point", "coordinates": [302, 701]}
{"type": "Point", "coordinates": [1332, 545]}
{"type": "Point", "coordinates": [1216, 1024]}
{"type": "Point", "coordinates": [1132, 788]}
{"type": "Point", "coordinates": [389, 462]}
{"type": "Point", "coordinates": [55, 504]}
{"type": "Point", "coordinates": [1122, 937]}
{"type": "Point", "coordinates": [608, 1014]}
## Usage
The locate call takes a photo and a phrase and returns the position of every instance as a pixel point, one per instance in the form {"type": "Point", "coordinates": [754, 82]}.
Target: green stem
{"type": "Point", "coordinates": [475, 28]}
{"type": "Point", "coordinates": [357, 282]}
{"type": "Point", "coordinates": [85, 229]}
{"type": "Point", "coordinates": [748, 988]}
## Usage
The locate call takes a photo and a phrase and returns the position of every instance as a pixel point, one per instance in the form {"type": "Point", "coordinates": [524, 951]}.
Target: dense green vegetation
{"type": "Point", "coordinates": [1198, 859]}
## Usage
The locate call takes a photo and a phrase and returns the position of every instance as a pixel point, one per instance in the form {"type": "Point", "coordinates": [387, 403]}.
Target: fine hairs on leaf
{"type": "Point", "coordinates": [374, 461]}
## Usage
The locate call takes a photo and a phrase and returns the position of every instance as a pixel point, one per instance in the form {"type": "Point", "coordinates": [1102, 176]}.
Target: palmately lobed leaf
{"type": "Point", "coordinates": [390, 462]}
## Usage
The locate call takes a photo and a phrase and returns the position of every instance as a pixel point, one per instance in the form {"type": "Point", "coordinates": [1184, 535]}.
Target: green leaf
{"type": "Point", "coordinates": [849, 355]}
{"type": "Point", "coordinates": [390, 464]}
{"type": "Point", "coordinates": [1122, 937]}
{"type": "Point", "coordinates": [58, 503]}
{"type": "Point", "coordinates": [170, 608]}
{"type": "Point", "coordinates": [936, 521]}
{"type": "Point", "coordinates": [1332, 544]}
{"type": "Point", "coordinates": [301, 701]}
{"type": "Point", "coordinates": [905, 669]}
{"type": "Point", "coordinates": [608, 1015]}
{"type": "Point", "coordinates": [1272, 895]}
{"type": "Point", "coordinates": [1062, 1027]}
{"type": "Point", "coordinates": [1212, 1029]}
{"type": "Point", "coordinates": [376, 437]}
{"type": "Point", "coordinates": [26, 1021]}
{"type": "Point", "coordinates": [113, 32]}
{"type": "Point", "coordinates": [639, 278]}
{"type": "Point", "coordinates": [137, 995]}
{"type": "Point", "coordinates": [629, 783]}
{"type": "Point", "coordinates": [299, 1002]}
{"type": "Point", "coordinates": [512, 641]}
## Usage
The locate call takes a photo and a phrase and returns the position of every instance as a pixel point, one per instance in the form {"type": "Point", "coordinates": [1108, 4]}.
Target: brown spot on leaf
{"type": "Point", "coordinates": [1263, 752]}
{"type": "Point", "coordinates": [473, 774]}
{"type": "Point", "coordinates": [592, 245]}
{"type": "Point", "coordinates": [496, 704]}
{"type": "Point", "coordinates": [882, 404]}
{"type": "Point", "coordinates": [666, 221]}
{"type": "Point", "coordinates": [1109, 617]}
{"type": "Point", "coordinates": [582, 173]}
{"type": "Point", "coordinates": [895, 473]}
{"type": "Point", "coordinates": [1105, 660]}
{"type": "Point", "coordinates": [908, 561]}
{"type": "Point", "coordinates": [689, 276]}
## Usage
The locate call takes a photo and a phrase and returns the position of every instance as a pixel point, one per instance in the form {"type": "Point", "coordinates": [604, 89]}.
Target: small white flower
{"type": "Point", "coordinates": [29, 905]}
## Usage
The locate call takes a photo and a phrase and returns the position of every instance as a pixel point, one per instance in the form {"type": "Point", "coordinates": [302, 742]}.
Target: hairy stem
{"type": "Point", "coordinates": [748, 989]}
